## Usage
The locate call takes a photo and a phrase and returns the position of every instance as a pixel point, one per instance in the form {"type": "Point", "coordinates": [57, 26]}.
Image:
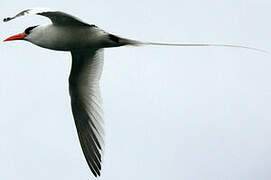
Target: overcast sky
{"type": "Point", "coordinates": [171, 113]}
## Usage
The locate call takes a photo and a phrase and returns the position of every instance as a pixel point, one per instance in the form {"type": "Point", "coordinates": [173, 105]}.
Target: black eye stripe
{"type": "Point", "coordinates": [27, 30]}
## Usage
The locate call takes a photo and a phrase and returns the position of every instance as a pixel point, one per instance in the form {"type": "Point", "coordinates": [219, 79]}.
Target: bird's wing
{"type": "Point", "coordinates": [84, 89]}
{"type": "Point", "coordinates": [57, 17]}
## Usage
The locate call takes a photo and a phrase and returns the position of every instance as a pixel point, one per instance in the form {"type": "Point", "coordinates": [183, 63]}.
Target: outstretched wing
{"type": "Point", "coordinates": [84, 88]}
{"type": "Point", "coordinates": [57, 17]}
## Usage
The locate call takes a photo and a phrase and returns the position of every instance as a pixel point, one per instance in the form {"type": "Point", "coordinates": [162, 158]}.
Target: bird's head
{"type": "Point", "coordinates": [22, 36]}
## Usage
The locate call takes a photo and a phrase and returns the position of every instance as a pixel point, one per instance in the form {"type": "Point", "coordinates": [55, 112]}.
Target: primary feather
{"type": "Point", "coordinates": [87, 110]}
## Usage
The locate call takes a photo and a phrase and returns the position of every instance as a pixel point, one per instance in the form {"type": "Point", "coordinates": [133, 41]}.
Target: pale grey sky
{"type": "Point", "coordinates": [171, 112]}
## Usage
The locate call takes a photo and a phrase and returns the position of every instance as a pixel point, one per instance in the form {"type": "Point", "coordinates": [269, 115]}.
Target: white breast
{"type": "Point", "coordinates": [66, 38]}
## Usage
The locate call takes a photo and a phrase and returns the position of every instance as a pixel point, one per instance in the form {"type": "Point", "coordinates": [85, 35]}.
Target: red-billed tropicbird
{"type": "Point", "coordinates": [86, 43]}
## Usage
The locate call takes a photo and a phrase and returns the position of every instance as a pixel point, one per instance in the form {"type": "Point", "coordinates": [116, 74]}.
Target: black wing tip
{"type": "Point", "coordinates": [7, 19]}
{"type": "Point", "coordinates": [96, 173]}
{"type": "Point", "coordinates": [95, 168]}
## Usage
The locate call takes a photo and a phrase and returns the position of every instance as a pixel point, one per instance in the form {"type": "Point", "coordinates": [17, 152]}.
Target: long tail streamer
{"type": "Point", "coordinates": [195, 45]}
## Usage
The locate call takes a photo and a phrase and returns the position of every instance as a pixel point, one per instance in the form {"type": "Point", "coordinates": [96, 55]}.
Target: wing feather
{"type": "Point", "coordinates": [57, 17]}
{"type": "Point", "coordinates": [86, 104]}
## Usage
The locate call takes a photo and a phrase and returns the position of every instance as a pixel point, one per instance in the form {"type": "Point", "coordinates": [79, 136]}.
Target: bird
{"type": "Point", "coordinates": [86, 43]}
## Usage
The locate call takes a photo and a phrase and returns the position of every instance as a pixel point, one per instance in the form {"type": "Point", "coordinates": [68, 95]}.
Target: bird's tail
{"type": "Point", "coordinates": [196, 45]}
{"type": "Point", "coordinates": [123, 41]}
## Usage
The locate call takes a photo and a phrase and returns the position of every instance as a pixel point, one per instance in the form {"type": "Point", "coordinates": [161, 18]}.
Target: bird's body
{"type": "Point", "coordinates": [86, 43]}
{"type": "Point", "coordinates": [68, 38]}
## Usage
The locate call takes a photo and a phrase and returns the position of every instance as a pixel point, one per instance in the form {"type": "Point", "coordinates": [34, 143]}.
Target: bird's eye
{"type": "Point", "coordinates": [27, 30]}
